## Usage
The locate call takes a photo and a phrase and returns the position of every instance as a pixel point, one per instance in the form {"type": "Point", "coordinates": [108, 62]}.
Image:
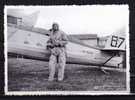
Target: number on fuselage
{"type": "Point", "coordinates": [117, 41]}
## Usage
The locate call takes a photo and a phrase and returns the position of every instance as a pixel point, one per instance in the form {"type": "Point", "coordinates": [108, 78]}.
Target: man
{"type": "Point", "coordinates": [57, 46]}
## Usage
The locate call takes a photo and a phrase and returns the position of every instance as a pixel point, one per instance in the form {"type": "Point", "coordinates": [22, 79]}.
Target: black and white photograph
{"type": "Point", "coordinates": [67, 50]}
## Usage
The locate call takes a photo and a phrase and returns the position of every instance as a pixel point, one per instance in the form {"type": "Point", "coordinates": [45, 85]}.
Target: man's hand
{"type": "Point", "coordinates": [49, 46]}
{"type": "Point", "coordinates": [56, 42]}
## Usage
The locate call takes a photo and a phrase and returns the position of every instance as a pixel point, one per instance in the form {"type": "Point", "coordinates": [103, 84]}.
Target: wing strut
{"type": "Point", "coordinates": [106, 62]}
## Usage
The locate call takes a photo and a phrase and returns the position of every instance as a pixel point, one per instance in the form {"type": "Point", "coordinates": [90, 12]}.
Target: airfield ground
{"type": "Point", "coordinates": [32, 75]}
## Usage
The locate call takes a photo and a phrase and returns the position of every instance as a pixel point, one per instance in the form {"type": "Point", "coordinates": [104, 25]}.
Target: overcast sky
{"type": "Point", "coordinates": [101, 20]}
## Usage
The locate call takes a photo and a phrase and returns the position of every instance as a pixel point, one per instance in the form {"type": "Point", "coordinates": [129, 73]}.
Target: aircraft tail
{"type": "Point", "coordinates": [22, 18]}
{"type": "Point", "coordinates": [116, 41]}
{"type": "Point", "coordinates": [31, 19]}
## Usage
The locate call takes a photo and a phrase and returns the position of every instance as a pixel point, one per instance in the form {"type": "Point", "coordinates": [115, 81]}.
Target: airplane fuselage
{"type": "Point", "coordinates": [32, 44]}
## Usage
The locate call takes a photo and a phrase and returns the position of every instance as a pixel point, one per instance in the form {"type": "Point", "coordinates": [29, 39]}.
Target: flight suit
{"type": "Point", "coordinates": [57, 46]}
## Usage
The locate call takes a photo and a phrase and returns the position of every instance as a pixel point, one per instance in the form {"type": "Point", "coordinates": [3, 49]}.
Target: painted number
{"type": "Point", "coordinates": [117, 41]}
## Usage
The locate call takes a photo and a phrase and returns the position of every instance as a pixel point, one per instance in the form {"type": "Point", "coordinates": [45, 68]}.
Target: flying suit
{"type": "Point", "coordinates": [57, 46]}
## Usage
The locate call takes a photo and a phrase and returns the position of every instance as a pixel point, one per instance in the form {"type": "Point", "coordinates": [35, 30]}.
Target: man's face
{"type": "Point", "coordinates": [55, 27]}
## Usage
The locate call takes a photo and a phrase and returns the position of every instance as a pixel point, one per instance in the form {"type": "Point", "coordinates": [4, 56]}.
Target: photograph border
{"type": "Point", "coordinates": [127, 92]}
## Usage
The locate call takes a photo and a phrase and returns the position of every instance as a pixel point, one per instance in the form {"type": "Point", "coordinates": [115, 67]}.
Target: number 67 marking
{"type": "Point", "coordinates": [115, 40]}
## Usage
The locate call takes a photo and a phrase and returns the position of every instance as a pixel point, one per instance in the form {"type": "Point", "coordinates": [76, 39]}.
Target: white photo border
{"type": "Point", "coordinates": [126, 92]}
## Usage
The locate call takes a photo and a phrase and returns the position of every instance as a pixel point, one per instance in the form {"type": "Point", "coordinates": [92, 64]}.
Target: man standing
{"type": "Point", "coordinates": [57, 46]}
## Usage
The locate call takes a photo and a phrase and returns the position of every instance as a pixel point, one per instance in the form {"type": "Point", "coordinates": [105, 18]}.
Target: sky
{"type": "Point", "coordinates": [89, 19]}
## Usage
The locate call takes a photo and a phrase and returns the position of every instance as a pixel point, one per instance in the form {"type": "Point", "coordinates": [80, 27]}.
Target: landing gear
{"type": "Point", "coordinates": [104, 71]}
